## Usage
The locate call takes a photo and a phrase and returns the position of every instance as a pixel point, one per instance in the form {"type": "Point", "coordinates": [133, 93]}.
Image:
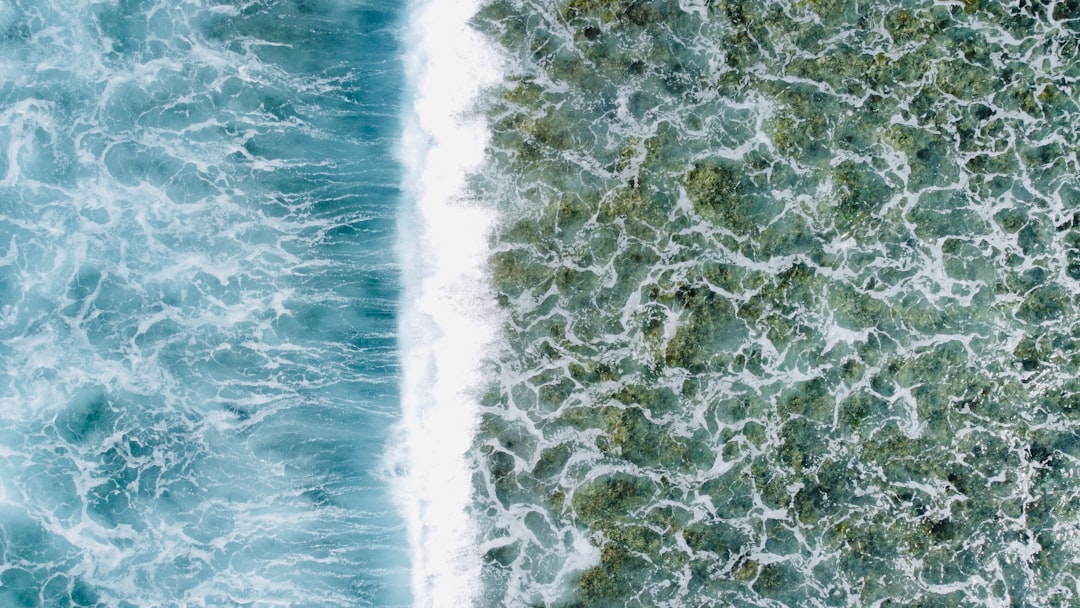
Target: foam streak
{"type": "Point", "coordinates": [447, 317]}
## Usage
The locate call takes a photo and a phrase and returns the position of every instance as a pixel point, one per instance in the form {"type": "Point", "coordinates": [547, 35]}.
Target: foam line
{"type": "Point", "coordinates": [447, 315]}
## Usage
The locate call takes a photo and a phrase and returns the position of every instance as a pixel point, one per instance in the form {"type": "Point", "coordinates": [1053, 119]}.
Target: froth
{"type": "Point", "coordinates": [447, 317]}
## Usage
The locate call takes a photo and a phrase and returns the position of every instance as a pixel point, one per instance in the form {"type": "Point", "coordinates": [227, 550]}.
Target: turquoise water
{"type": "Point", "coordinates": [198, 302]}
{"type": "Point", "coordinates": [786, 296]}
{"type": "Point", "coordinates": [791, 304]}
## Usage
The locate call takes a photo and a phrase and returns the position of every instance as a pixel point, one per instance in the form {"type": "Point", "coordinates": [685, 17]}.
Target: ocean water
{"type": "Point", "coordinates": [787, 304]}
{"type": "Point", "coordinates": [198, 296]}
{"type": "Point", "coordinates": [561, 303]}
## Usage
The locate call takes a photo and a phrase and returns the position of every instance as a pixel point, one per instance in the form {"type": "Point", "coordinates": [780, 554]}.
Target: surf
{"type": "Point", "coordinates": [447, 313]}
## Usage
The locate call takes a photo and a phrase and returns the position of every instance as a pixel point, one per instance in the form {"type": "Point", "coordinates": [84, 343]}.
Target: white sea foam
{"type": "Point", "coordinates": [447, 317]}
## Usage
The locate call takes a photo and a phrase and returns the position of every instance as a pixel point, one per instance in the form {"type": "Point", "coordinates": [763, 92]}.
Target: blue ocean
{"type": "Point", "coordinates": [545, 303]}
{"type": "Point", "coordinates": [790, 304]}
{"type": "Point", "coordinates": [198, 287]}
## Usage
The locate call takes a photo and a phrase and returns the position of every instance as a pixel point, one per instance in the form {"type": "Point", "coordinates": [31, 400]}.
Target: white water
{"type": "Point", "coordinates": [448, 315]}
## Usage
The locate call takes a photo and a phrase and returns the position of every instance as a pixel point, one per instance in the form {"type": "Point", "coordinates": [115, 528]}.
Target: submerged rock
{"type": "Point", "coordinates": [789, 289]}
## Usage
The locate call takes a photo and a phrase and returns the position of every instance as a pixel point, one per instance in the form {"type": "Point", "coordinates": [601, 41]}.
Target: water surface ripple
{"type": "Point", "coordinates": [197, 303]}
{"type": "Point", "coordinates": [792, 304]}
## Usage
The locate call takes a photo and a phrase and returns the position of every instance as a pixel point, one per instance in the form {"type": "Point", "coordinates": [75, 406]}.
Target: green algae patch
{"type": "Point", "coordinates": [614, 579]}
{"type": "Point", "coordinates": [644, 442]}
{"type": "Point", "coordinates": [720, 194]}
{"type": "Point", "coordinates": [719, 538]}
{"type": "Point", "coordinates": [597, 500]}
{"type": "Point", "coordinates": [861, 193]}
{"type": "Point", "coordinates": [1044, 304]}
{"type": "Point", "coordinates": [516, 271]}
{"type": "Point", "coordinates": [629, 12]}
{"type": "Point", "coordinates": [713, 328]}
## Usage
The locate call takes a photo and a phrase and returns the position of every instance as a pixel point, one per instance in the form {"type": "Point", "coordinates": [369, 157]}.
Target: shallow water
{"type": "Point", "coordinates": [198, 297]}
{"type": "Point", "coordinates": [791, 304]}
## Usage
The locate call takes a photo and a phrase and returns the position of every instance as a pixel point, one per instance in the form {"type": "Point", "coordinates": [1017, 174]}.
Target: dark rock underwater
{"type": "Point", "coordinates": [792, 304]}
